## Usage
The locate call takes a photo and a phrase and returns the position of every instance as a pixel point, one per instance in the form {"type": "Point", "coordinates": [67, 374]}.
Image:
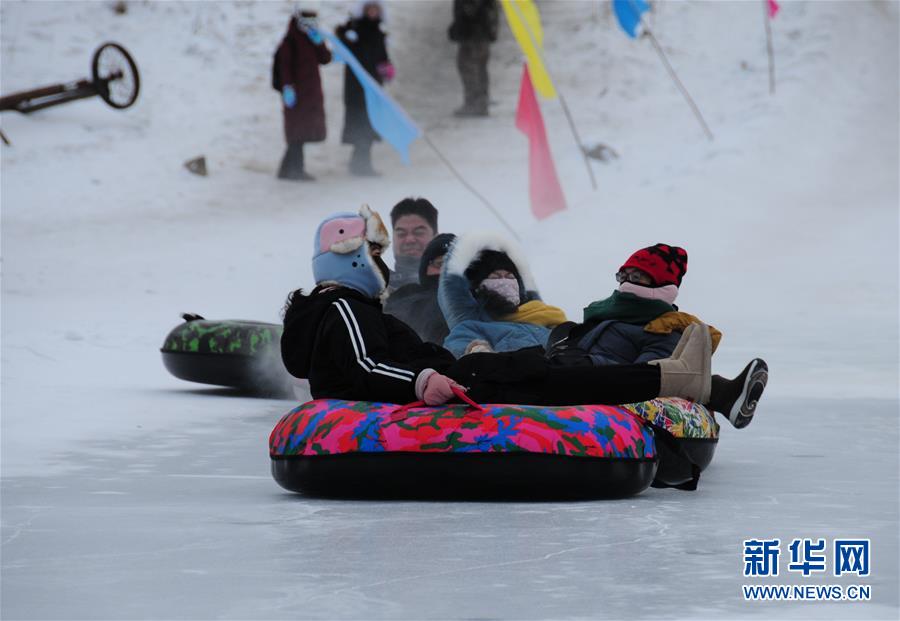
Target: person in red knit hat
{"type": "Point", "coordinates": [639, 322]}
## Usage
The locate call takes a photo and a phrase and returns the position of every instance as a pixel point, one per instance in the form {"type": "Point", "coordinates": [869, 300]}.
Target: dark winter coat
{"type": "Point", "coordinates": [417, 306]}
{"type": "Point", "coordinates": [609, 342]}
{"type": "Point", "coordinates": [474, 20]}
{"type": "Point", "coordinates": [298, 64]}
{"type": "Point", "coordinates": [622, 329]}
{"type": "Point", "coordinates": [348, 349]}
{"type": "Point", "coordinates": [370, 50]}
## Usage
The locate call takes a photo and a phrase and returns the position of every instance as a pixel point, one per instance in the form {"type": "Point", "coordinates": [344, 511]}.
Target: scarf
{"type": "Point", "coordinates": [538, 313]}
{"type": "Point", "coordinates": [626, 307]}
{"type": "Point", "coordinates": [406, 271]}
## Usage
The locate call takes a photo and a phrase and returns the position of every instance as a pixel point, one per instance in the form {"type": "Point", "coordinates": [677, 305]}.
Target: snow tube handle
{"type": "Point", "coordinates": [465, 398]}
{"type": "Point", "coordinates": [403, 411]}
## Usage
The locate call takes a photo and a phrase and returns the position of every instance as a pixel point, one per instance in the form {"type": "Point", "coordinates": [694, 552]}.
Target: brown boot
{"type": "Point", "coordinates": [689, 374]}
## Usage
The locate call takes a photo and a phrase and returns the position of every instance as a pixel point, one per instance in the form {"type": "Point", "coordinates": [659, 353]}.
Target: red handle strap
{"type": "Point", "coordinates": [465, 398]}
{"type": "Point", "coordinates": [403, 411]}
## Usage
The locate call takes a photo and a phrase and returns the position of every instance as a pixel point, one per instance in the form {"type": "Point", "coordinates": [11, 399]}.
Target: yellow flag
{"type": "Point", "coordinates": [525, 23]}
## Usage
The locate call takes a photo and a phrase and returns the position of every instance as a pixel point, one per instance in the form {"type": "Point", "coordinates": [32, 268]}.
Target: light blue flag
{"type": "Point", "coordinates": [388, 119]}
{"type": "Point", "coordinates": [629, 12]}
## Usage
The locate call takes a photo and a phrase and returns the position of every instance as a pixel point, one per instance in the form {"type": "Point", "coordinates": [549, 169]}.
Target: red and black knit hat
{"type": "Point", "coordinates": [665, 264]}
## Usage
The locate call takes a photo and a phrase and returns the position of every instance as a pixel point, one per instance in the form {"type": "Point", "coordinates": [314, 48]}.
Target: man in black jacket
{"type": "Point", "coordinates": [339, 338]}
{"type": "Point", "coordinates": [474, 27]}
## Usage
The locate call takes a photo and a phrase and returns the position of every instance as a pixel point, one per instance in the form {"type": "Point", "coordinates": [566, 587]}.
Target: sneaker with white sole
{"type": "Point", "coordinates": [737, 398]}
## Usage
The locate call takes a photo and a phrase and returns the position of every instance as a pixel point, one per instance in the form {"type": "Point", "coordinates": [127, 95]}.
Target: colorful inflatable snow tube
{"type": "Point", "coordinates": [686, 438]}
{"type": "Point", "coordinates": [330, 447]}
{"type": "Point", "coordinates": [238, 354]}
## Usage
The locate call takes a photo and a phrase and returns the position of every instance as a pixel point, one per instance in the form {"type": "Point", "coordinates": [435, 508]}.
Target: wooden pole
{"type": "Point", "coordinates": [469, 187]}
{"type": "Point", "coordinates": [674, 76]}
{"type": "Point", "coordinates": [587, 163]}
{"type": "Point", "coordinates": [769, 49]}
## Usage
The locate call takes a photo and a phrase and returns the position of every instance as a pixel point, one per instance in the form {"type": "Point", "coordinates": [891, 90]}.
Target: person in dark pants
{"type": "Point", "coordinates": [297, 69]}
{"type": "Point", "coordinates": [338, 337]}
{"type": "Point", "coordinates": [474, 27]}
{"type": "Point", "coordinates": [365, 38]}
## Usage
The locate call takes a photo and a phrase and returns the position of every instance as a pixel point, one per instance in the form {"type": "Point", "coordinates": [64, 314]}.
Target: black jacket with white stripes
{"type": "Point", "coordinates": [349, 349]}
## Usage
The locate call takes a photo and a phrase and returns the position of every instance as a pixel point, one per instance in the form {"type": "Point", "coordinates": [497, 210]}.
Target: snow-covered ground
{"type": "Point", "coordinates": [129, 494]}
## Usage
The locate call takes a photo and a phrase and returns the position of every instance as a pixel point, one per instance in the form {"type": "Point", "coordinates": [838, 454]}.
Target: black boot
{"type": "Point", "coordinates": [737, 398]}
{"type": "Point", "coordinates": [292, 164]}
{"type": "Point", "coordinates": [361, 160]}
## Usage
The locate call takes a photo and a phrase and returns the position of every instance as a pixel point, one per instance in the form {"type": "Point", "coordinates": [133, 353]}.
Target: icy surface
{"type": "Point", "coordinates": [191, 525]}
{"type": "Point", "coordinates": [129, 494]}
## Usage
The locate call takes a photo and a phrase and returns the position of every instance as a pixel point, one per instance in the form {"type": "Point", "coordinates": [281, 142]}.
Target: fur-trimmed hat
{"type": "Point", "coordinates": [468, 249]}
{"type": "Point", "coordinates": [489, 261]}
{"type": "Point", "coordinates": [665, 264]}
{"type": "Point", "coordinates": [342, 251]}
{"type": "Point", "coordinates": [418, 207]}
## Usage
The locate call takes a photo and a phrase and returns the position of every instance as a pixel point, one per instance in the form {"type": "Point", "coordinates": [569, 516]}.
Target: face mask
{"type": "Point", "coordinates": [666, 294]}
{"type": "Point", "coordinates": [506, 288]}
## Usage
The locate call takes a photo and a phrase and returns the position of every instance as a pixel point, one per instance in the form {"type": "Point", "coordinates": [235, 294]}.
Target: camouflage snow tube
{"type": "Point", "coordinates": [330, 447]}
{"type": "Point", "coordinates": [237, 354]}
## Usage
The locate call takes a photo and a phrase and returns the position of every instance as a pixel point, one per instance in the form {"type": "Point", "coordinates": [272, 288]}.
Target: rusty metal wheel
{"type": "Point", "coordinates": [115, 75]}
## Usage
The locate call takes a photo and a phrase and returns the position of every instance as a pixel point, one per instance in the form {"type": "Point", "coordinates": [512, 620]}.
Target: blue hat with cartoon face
{"type": "Point", "coordinates": [342, 252]}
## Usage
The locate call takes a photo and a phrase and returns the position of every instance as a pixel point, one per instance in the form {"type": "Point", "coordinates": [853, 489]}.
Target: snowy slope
{"type": "Point", "coordinates": [790, 216]}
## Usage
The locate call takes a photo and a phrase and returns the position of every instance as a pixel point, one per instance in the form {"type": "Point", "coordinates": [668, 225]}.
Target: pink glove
{"type": "Point", "coordinates": [386, 71]}
{"type": "Point", "coordinates": [439, 389]}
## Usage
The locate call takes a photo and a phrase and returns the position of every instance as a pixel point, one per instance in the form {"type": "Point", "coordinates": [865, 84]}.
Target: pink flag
{"type": "Point", "coordinates": [543, 185]}
{"type": "Point", "coordinates": [773, 8]}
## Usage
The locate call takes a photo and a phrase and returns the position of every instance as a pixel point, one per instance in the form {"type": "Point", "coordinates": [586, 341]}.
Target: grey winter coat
{"type": "Point", "coordinates": [417, 306]}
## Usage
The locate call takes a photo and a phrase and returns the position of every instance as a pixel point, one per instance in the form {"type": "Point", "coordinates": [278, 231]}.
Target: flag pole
{"type": "Point", "coordinates": [769, 49]}
{"type": "Point", "coordinates": [674, 76]}
{"type": "Point", "coordinates": [469, 186]}
{"type": "Point", "coordinates": [587, 163]}
{"type": "Point", "coordinates": [562, 100]}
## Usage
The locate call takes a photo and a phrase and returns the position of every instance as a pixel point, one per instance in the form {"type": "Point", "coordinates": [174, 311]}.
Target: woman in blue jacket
{"type": "Point", "coordinates": [489, 298]}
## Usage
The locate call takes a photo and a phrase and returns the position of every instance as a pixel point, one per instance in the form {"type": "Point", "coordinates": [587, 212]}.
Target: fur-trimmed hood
{"type": "Point", "coordinates": [467, 249]}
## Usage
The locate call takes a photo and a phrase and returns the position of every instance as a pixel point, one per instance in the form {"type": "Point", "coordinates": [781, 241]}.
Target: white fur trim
{"type": "Point", "coordinates": [346, 246]}
{"type": "Point", "coordinates": [466, 249]}
{"type": "Point", "coordinates": [376, 232]}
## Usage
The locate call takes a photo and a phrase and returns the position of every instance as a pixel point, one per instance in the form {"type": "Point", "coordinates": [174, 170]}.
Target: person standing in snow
{"type": "Point", "coordinates": [297, 71]}
{"type": "Point", "coordinates": [415, 223]}
{"type": "Point", "coordinates": [474, 27]}
{"type": "Point", "coordinates": [416, 304]}
{"type": "Point", "coordinates": [364, 37]}
{"type": "Point", "coordinates": [489, 298]}
{"type": "Point", "coordinates": [338, 337]}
